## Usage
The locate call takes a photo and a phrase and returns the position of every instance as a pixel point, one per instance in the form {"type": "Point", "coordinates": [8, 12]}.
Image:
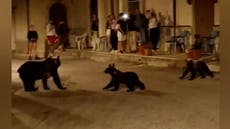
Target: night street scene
{"type": "Point", "coordinates": [115, 64]}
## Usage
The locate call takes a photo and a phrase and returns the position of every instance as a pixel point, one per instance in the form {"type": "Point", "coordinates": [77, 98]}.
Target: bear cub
{"type": "Point", "coordinates": [194, 66]}
{"type": "Point", "coordinates": [129, 78]}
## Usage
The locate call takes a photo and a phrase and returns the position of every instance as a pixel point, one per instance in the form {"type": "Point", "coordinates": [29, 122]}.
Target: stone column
{"type": "Point", "coordinates": [101, 17]}
{"type": "Point", "coordinates": [108, 7]}
{"type": "Point", "coordinates": [123, 6]}
{"type": "Point", "coordinates": [115, 7]}
{"type": "Point", "coordinates": [142, 6]}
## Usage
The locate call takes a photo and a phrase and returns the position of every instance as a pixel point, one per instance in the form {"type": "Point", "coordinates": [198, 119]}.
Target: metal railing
{"type": "Point", "coordinates": [166, 33]}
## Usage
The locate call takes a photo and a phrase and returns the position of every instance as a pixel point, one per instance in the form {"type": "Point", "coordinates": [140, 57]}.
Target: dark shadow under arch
{"type": "Point", "coordinates": [57, 12]}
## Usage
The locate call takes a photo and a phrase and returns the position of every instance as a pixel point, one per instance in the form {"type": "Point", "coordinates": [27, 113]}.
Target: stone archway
{"type": "Point", "coordinates": [57, 12]}
{"type": "Point", "coordinates": [93, 7]}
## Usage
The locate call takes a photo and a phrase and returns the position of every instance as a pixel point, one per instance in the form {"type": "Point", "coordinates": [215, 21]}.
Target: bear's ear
{"type": "Point", "coordinates": [113, 65]}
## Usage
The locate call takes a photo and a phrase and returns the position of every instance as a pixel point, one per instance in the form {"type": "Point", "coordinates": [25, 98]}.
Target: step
{"type": "Point", "coordinates": [163, 61]}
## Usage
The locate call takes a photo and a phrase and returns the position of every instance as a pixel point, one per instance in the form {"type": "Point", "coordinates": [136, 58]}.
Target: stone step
{"type": "Point", "coordinates": [161, 60]}
{"type": "Point", "coordinates": [172, 61]}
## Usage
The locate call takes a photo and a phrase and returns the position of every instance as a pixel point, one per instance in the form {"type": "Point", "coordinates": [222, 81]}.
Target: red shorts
{"type": "Point", "coordinates": [52, 39]}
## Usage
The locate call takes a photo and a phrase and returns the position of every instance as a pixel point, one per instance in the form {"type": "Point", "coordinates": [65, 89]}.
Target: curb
{"type": "Point", "coordinates": [155, 61]}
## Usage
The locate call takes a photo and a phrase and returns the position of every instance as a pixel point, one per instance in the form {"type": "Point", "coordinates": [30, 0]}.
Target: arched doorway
{"type": "Point", "coordinates": [133, 5]}
{"type": "Point", "coordinates": [93, 7]}
{"type": "Point", "coordinates": [58, 14]}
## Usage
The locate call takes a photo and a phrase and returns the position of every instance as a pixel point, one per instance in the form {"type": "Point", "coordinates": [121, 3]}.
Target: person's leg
{"type": "Point", "coordinates": [94, 38]}
{"type": "Point", "coordinates": [108, 40]}
{"type": "Point", "coordinates": [142, 36]}
{"type": "Point", "coordinates": [114, 39]}
{"type": "Point", "coordinates": [34, 50]}
{"type": "Point", "coordinates": [30, 46]}
{"type": "Point", "coordinates": [124, 43]}
{"type": "Point", "coordinates": [151, 37]}
{"type": "Point", "coordinates": [58, 48]}
{"type": "Point", "coordinates": [154, 38]}
{"type": "Point", "coordinates": [119, 44]}
{"type": "Point", "coordinates": [133, 44]}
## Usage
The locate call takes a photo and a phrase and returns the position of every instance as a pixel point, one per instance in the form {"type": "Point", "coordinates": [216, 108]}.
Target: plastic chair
{"type": "Point", "coordinates": [178, 42]}
{"type": "Point", "coordinates": [211, 41]}
{"type": "Point", "coordinates": [80, 41]}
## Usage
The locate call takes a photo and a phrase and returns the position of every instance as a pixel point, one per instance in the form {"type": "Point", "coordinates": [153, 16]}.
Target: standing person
{"type": "Point", "coordinates": [62, 32]}
{"type": "Point", "coordinates": [94, 31]}
{"type": "Point", "coordinates": [131, 34]}
{"type": "Point", "coordinates": [113, 37]}
{"type": "Point", "coordinates": [141, 22]}
{"type": "Point", "coordinates": [52, 38]}
{"type": "Point", "coordinates": [32, 37]}
{"type": "Point", "coordinates": [121, 33]}
{"type": "Point", "coordinates": [153, 27]}
{"type": "Point", "coordinates": [108, 32]}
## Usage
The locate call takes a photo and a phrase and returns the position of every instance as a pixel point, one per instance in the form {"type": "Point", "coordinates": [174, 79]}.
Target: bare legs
{"type": "Point", "coordinates": [32, 50]}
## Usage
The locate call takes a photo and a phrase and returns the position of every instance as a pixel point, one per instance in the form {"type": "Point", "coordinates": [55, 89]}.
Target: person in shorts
{"type": "Point", "coordinates": [32, 37]}
{"type": "Point", "coordinates": [52, 38]}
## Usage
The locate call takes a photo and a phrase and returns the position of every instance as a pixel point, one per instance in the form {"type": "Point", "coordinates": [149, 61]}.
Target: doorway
{"type": "Point", "coordinates": [57, 12]}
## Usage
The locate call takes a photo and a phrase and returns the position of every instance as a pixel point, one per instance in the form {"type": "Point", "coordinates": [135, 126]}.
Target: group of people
{"type": "Point", "coordinates": [57, 39]}
{"type": "Point", "coordinates": [123, 34]}
{"type": "Point", "coordinates": [128, 31]}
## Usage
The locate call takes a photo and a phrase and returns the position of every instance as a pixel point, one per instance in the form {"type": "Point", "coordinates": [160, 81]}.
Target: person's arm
{"type": "Point", "coordinates": [119, 28]}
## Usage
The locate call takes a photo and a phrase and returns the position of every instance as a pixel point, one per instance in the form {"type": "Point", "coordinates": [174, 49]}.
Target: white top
{"type": "Point", "coordinates": [152, 23]}
{"type": "Point", "coordinates": [50, 30]}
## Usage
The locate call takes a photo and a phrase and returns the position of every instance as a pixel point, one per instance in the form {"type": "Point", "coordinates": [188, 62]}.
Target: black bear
{"type": "Point", "coordinates": [194, 66]}
{"type": "Point", "coordinates": [129, 78]}
{"type": "Point", "coordinates": [31, 71]}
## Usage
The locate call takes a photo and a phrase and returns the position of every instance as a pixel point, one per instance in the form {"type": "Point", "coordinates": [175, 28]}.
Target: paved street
{"type": "Point", "coordinates": [167, 102]}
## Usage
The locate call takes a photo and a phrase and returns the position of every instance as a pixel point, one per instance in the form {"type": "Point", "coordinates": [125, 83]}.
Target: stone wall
{"type": "Point", "coordinates": [77, 17]}
{"type": "Point", "coordinates": [20, 25]}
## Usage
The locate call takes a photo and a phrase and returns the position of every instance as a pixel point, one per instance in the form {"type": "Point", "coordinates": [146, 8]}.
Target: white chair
{"type": "Point", "coordinates": [80, 41]}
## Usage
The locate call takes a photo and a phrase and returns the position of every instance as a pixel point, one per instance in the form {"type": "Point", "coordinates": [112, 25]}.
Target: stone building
{"type": "Point", "coordinates": [197, 16]}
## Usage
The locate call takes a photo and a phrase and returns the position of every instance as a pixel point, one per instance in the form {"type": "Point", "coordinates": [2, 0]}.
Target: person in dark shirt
{"type": "Point", "coordinates": [141, 23]}
{"type": "Point", "coordinates": [63, 32]}
{"type": "Point", "coordinates": [94, 22]}
{"type": "Point", "coordinates": [32, 37]}
{"type": "Point", "coordinates": [94, 31]}
{"type": "Point", "coordinates": [131, 34]}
